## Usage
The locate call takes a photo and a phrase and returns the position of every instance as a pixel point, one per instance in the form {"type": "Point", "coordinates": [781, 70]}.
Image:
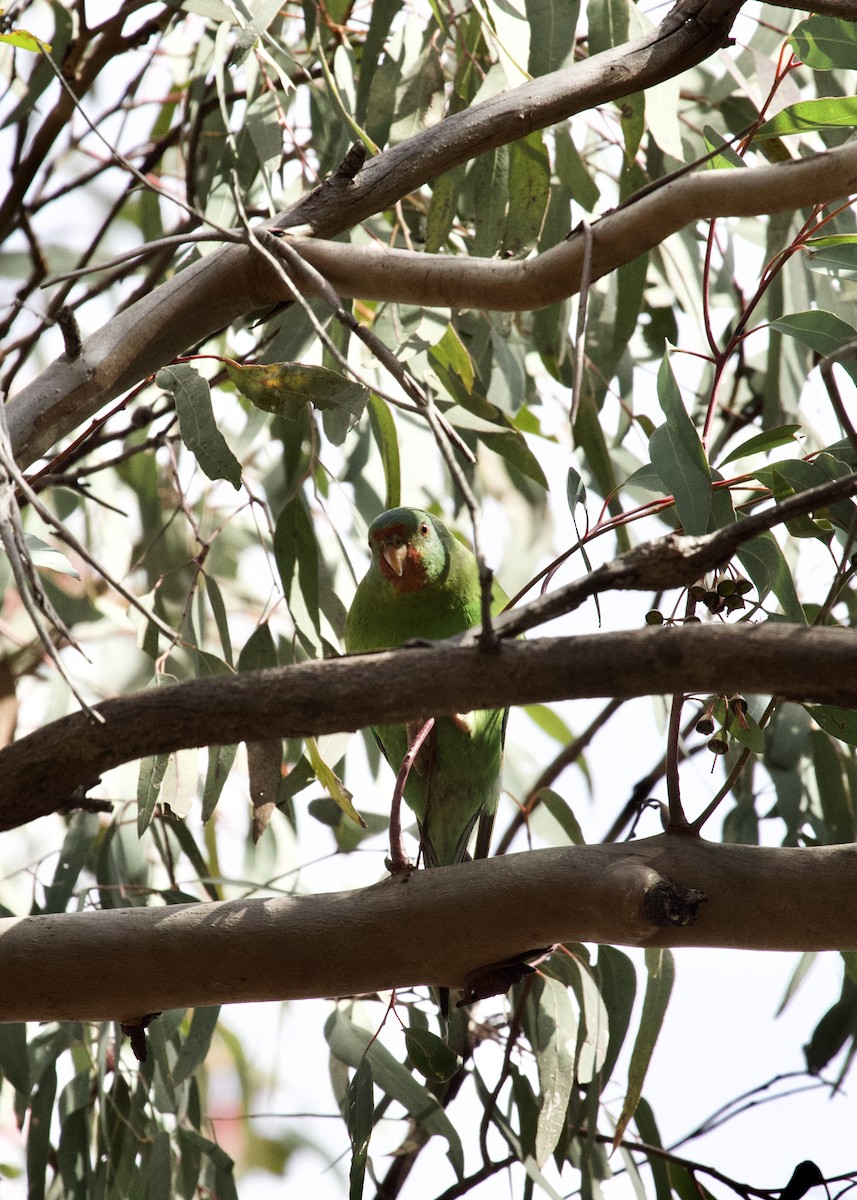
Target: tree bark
{"type": "Point", "coordinates": [54, 766]}
{"type": "Point", "coordinates": [426, 927]}
{"type": "Point", "coordinates": [235, 279]}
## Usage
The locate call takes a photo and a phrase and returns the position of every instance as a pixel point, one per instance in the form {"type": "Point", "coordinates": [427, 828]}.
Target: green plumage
{"type": "Point", "coordinates": [422, 583]}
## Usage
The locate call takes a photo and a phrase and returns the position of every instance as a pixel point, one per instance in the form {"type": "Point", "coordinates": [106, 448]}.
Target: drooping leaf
{"type": "Point", "coordinates": [359, 1121]}
{"type": "Point", "coordinates": [765, 564]}
{"type": "Point", "coordinates": [728, 156]}
{"type": "Point", "coordinates": [297, 556]}
{"type": "Point", "coordinates": [195, 1045]}
{"type": "Point", "coordinates": [560, 810]}
{"type": "Point", "coordinates": [529, 194]}
{"type": "Point", "coordinates": [386, 439]}
{"type": "Point", "coordinates": [431, 1056]}
{"type": "Point", "coordinates": [552, 27]}
{"type": "Point", "coordinates": [152, 772]}
{"type": "Point", "coordinates": [351, 1044]}
{"type": "Point", "coordinates": [840, 723]}
{"type": "Point", "coordinates": [822, 331]}
{"type": "Point", "coordinates": [660, 969]}
{"type": "Point", "coordinates": [332, 784]}
{"type": "Point", "coordinates": [555, 1034]}
{"type": "Point", "coordinates": [14, 1063]}
{"type": "Point", "coordinates": [678, 457]}
{"type": "Point", "coordinates": [199, 430]}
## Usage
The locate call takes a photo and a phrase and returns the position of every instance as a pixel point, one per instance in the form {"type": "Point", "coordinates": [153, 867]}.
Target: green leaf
{"type": "Point", "coordinates": [359, 1121]}
{"type": "Point", "coordinates": [486, 188]}
{"type": "Point", "coordinates": [218, 608]}
{"type": "Point", "coordinates": [822, 331]}
{"type": "Point", "coordinates": [552, 25]}
{"type": "Point", "coordinates": [452, 364]}
{"type": "Point", "coordinates": [573, 172]}
{"type": "Point", "coordinates": [840, 723]}
{"type": "Point", "coordinates": [678, 457]}
{"type": "Point", "coordinates": [199, 431]}
{"type": "Point", "coordinates": [561, 811]}
{"type": "Point", "coordinates": [644, 1119]}
{"type": "Point", "coordinates": [21, 40]}
{"type": "Point", "coordinates": [14, 1062]}
{"type": "Point", "coordinates": [728, 156]}
{"type": "Point", "coordinates": [661, 976]}
{"type": "Point", "coordinates": [178, 785]}
{"type": "Point", "coordinates": [632, 117]}
{"type": "Point", "coordinates": [835, 1028]}
{"type": "Point", "coordinates": [761, 443]}
{"type": "Point", "coordinates": [511, 445]}
{"type": "Point", "coordinates": [383, 12]}
{"type": "Point", "coordinates": [39, 1149]}
{"type": "Point", "coordinates": [48, 557]}
{"type": "Point", "coordinates": [765, 564]}
{"type": "Point", "coordinates": [296, 555]}
{"type": "Point", "coordinates": [259, 651]}
{"type": "Point", "coordinates": [262, 122]}
{"type": "Point", "coordinates": [77, 846]}
{"type": "Point", "coordinates": [836, 803]}
{"type": "Point", "coordinates": [529, 194]}
{"type": "Point", "coordinates": [285, 388]}
{"type": "Point", "coordinates": [592, 1051]}
{"type": "Point", "coordinates": [825, 43]}
{"type": "Point", "coordinates": [617, 982]}
{"type": "Point", "coordinates": [220, 760]}
{"type": "Point", "coordinates": [808, 116]}
{"type": "Point", "coordinates": [351, 1044]}
{"type": "Point", "coordinates": [746, 731]}
{"type": "Point", "coordinates": [608, 25]}
{"type": "Point", "coordinates": [331, 783]}
{"type": "Point", "coordinates": [152, 772]}
{"type": "Point", "coordinates": [431, 1056]}
{"type": "Point", "coordinates": [384, 432]}
{"type": "Point", "coordinates": [550, 722]}
{"type": "Point", "coordinates": [555, 1034]}
{"type": "Point", "coordinates": [806, 961]}
{"type": "Point", "coordinates": [833, 256]}
{"type": "Point", "coordinates": [442, 209]}
{"type": "Point", "coordinates": [196, 1045]}
{"type": "Point", "coordinates": [575, 490]}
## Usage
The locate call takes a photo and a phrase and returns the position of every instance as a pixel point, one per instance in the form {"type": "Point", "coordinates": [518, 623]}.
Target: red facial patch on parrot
{"type": "Point", "coordinates": [398, 539]}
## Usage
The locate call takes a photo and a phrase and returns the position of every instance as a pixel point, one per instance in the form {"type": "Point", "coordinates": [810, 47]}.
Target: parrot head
{"type": "Point", "coordinates": [410, 548]}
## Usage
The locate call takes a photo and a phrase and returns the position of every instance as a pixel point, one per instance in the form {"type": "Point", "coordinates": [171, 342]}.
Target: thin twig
{"type": "Point", "coordinates": [399, 860]}
{"type": "Point", "coordinates": [64, 534]}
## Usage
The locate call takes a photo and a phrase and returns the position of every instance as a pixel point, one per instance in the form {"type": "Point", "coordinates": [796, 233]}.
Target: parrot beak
{"type": "Point", "coordinates": [395, 554]}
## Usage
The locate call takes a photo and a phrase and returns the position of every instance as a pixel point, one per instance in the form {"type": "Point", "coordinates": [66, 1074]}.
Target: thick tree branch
{"type": "Point", "coordinates": [441, 280]}
{"type": "Point", "coordinates": [426, 927]}
{"type": "Point", "coordinates": [233, 281]}
{"type": "Point", "coordinates": [58, 763]}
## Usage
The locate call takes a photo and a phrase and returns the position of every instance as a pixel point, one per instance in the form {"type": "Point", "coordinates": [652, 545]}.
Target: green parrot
{"type": "Point", "coordinates": [423, 583]}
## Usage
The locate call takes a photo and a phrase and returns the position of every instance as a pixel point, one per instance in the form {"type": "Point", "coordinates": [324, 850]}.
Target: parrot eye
{"type": "Point", "coordinates": [424, 529]}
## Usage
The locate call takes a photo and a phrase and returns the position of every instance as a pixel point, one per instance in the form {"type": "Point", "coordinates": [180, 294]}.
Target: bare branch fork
{"type": "Point", "coordinates": [234, 280]}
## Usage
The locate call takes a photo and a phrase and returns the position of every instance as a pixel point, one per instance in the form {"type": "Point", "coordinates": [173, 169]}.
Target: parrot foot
{"type": "Point", "coordinates": [400, 865]}
{"type": "Point", "coordinates": [463, 722]}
